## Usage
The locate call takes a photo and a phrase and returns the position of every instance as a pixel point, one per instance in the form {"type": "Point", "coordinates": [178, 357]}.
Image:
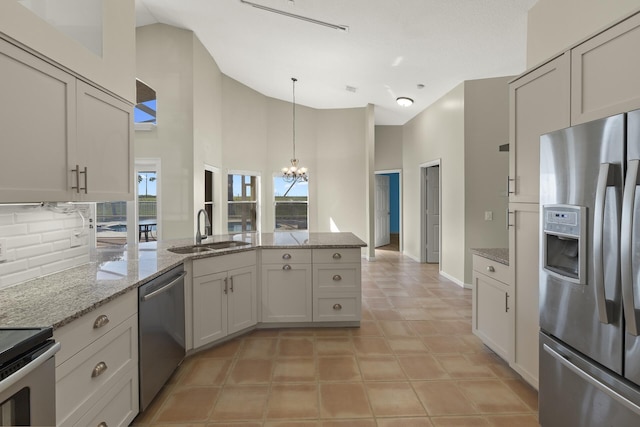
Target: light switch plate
{"type": "Point", "coordinates": [3, 250]}
{"type": "Point", "coordinates": [488, 216]}
{"type": "Point", "coordinates": [76, 238]}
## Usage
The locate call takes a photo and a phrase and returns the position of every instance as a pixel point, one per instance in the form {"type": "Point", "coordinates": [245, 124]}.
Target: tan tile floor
{"type": "Point", "coordinates": [413, 362]}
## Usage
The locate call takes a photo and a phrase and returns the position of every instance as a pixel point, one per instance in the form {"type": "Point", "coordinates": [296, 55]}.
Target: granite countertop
{"type": "Point", "coordinates": [500, 255]}
{"type": "Point", "coordinates": [59, 298]}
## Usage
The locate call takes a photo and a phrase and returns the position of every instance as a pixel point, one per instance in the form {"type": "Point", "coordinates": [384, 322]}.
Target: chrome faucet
{"type": "Point", "coordinates": [207, 226]}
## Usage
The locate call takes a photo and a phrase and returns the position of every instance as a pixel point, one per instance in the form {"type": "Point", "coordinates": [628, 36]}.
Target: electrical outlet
{"type": "Point", "coordinates": [76, 238]}
{"type": "Point", "coordinates": [488, 216]}
{"type": "Point", "coordinates": [3, 250]}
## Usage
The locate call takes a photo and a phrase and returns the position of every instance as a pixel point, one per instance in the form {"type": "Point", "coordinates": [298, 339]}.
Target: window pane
{"type": "Point", "coordinates": [241, 188]}
{"type": "Point", "coordinates": [291, 216]}
{"type": "Point", "coordinates": [147, 206]}
{"type": "Point", "coordinates": [290, 191]}
{"type": "Point", "coordinates": [241, 217]}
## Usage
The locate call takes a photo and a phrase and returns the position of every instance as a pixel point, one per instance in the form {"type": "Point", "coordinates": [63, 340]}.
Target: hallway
{"type": "Point", "coordinates": [413, 362]}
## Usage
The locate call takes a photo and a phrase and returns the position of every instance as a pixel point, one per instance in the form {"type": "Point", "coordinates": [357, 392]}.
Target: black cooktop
{"type": "Point", "coordinates": [15, 342]}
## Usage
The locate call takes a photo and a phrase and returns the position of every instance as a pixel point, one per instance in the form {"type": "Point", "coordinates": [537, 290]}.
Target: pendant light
{"type": "Point", "coordinates": [294, 173]}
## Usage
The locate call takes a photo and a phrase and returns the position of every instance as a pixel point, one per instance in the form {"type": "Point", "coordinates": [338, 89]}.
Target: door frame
{"type": "Point", "coordinates": [423, 209]}
{"type": "Point", "coordinates": [399, 172]}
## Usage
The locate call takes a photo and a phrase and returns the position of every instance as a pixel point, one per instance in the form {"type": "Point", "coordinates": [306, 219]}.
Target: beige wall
{"type": "Point", "coordinates": [388, 144]}
{"type": "Point", "coordinates": [165, 62]}
{"type": "Point", "coordinates": [554, 25]}
{"type": "Point", "coordinates": [486, 106]}
{"type": "Point", "coordinates": [114, 70]}
{"type": "Point", "coordinates": [437, 133]}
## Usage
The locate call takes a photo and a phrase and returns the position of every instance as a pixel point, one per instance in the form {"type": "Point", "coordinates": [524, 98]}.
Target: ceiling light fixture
{"type": "Point", "coordinates": [403, 101]}
{"type": "Point", "coordinates": [292, 15]}
{"type": "Point", "coordinates": [294, 173]}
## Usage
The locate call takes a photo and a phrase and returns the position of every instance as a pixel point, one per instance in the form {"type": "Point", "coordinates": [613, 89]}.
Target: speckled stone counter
{"type": "Point", "coordinates": [59, 298]}
{"type": "Point", "coordinates": [500, 255]}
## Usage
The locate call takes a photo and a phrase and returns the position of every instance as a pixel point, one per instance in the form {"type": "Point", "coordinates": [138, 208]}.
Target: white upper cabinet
{"type": "Point", "coordinates": [605, 73]}
{"type": "Point", "coordinates": [51, 122]}
{"type": "Point", "coordinates": [539, 103]}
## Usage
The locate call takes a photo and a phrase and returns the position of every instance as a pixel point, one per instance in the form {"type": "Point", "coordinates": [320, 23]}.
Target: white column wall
{"type": "Point", "coordinates": [388, 141]}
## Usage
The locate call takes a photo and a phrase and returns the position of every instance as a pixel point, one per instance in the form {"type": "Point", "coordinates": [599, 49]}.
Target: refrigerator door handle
{"type": "Point", "coordinates": [626, 248]}
{"type": "Point", "coordinates": [598, 241]}
{"type": "Point", "coordinates": [591, 380]}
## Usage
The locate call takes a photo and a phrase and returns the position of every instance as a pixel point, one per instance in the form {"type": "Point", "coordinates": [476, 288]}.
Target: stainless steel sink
{"type": "Point", "coordinates": [207, 247]}
{"type": "Point", "coordinates": [189, 250]}
{"type": "Point", "coordinates": [224, 245]}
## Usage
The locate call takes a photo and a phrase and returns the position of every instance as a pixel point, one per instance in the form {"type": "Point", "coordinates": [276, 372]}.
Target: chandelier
{"type": "Point", "coordinates": [294, 173]}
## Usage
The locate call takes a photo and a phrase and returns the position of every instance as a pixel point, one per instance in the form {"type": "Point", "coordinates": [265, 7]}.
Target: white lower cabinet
{"type": "Point", "coordinates": [224, 296]}
{"type": "Point", "coordinates": [493, 306]}
{"type": "Point", "coordinates": [97, 366]}
{"type": "Point", "coordinates": [286, 285]}
{"type": "Point", "coordinates": [337, 294]}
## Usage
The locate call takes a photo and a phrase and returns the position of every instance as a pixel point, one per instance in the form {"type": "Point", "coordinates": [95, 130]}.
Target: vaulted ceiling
{"type": "Point", "coordinates": [419, 49]}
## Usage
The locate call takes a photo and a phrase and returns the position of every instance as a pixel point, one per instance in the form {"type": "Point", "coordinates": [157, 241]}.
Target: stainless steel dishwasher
{"type": "Point", "coordinates": [161, 331]}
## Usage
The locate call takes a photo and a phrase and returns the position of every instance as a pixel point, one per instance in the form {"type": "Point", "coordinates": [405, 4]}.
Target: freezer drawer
{"type": "Point", "coordinates": [574, 391]}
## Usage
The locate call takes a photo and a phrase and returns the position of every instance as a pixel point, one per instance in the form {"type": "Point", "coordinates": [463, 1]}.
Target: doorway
{"type": "Point", "coordinates": [430, 183]}
{"type": "Point", "coordinates": [388, 210]}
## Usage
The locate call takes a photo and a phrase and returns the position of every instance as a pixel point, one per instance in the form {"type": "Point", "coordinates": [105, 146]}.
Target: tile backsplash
{"type": "Point", "coordinates": [42, 239]}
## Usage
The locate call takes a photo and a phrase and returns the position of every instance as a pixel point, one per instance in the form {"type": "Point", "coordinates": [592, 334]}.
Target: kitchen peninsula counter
{"type": "Point", "coordinates": [500, 255]}
{"type": "Point", "coordinates": [59, 298]}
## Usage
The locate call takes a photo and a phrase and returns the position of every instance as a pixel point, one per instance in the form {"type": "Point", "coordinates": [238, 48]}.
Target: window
{"type": "Point", "coordinates": [144, 113]}
{"type": "Point", "coordinates": [208, 197]}
{"type": "Point", "coordinates": [291, 204]}
{"type": "Point", "coordinates": [242, 198]}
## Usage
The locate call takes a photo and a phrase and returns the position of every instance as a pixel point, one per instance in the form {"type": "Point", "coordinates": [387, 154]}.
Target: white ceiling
{"type": "Point", "coordinates": [392, 46]}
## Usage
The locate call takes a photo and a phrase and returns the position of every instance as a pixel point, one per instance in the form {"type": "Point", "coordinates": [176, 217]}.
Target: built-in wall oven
{"type": "Point", "coordinates": [27, 377]}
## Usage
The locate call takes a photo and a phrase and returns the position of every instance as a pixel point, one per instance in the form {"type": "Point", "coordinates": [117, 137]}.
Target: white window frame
{"type": "Point", "coordinates": [274, 204]}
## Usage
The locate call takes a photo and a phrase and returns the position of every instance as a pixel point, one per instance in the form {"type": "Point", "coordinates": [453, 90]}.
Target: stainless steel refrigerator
{"type": "Point", "coordinates": [590, 274]}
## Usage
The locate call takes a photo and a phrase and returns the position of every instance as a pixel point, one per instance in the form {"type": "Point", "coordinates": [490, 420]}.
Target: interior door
{"type": "Point", "coordinates": [433, 214]}
{"type": "Point", "coordinates": [382, 211]}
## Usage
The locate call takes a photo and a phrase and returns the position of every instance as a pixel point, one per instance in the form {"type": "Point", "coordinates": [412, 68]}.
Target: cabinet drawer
{"type": "Point", "coordinates": [335, 309]}
{"type": "Point", "coordinates": [336, 278]}
{"type": "Point", "coordinates": [216, 264]}
{"type": "Point", "coordinates": [118, 407]}
{"type": "Point", "coordinates": [286, 256]}
{"type": "Point", "coordinates": [336, 256]}
{"type": "Point", "coordinates": [93, 325]}
{"type": "Point", "coordinates": [83, 379]}
{"type": "Point", "coordinates": [491, 268]}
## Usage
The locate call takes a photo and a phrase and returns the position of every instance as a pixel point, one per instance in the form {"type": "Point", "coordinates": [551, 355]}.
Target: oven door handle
{"type": "Point", "coordinates": [29, 367]}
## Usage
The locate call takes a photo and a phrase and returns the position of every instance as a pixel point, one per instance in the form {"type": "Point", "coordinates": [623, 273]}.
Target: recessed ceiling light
{"type": "Point", "coordinates": [403, 101]}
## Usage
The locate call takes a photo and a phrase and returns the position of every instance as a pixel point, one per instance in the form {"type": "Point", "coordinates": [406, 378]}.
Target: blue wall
{"type": "Point", "coordinates": [394, 203]}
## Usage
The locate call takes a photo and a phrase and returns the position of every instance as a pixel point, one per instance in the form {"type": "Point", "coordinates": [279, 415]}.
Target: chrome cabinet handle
{"type": "Point", "coordinates": [99, 370]}
{"type": "Point", "coordinates": [626, 246]}
{"type": "Point", "coordinates": [604, 306]}
{"type": "Point", "coordinates": [337, 256]}
{"type": "Point", "coordinates": [286, 256]}
{"type": "Point", "coordinates": [231, 280]}
{"type": "Point", "coordinates": [226, 289]}
{"type": "Point", "coordinates": [506, 302]}
{"type": "Point", "coordinates": [514, 218]}
{"type": "Point", "coordinates": [337, 306]}
{"type": "Point", "coordinates": [77, 172]}
{"type": "Point", "coordinates": [100, 321]}
{"type": "Point", "coordinates": [491, 269]}
{"type": "Point", "coordinates": [337, 278]}
{"type": "Point", "coordinates": [509, 179]}
{"type": "Point", "coordinates": [286, 267]}
{"type": "Point", "coordinates": [85, 180]}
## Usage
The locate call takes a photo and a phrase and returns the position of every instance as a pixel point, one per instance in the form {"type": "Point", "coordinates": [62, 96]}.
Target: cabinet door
{"type": "Point", "coordinates": [524, 265]}
{"type": "Point", "coordinates": [209, 308]}
{"type": "Point", "coordinates": [605, 73]}
{"type": "Point", "coordinates": [539, 103]}
{"type": "Point", "coordinates": [492, 320]}
{"type": "Point", "coordinates": [37, 119]}
{"type": "Point", "coordinates": [105, 145]}
{"type": "Point", "coordinates": [241, 299]}
{"type": "Point", "coordinates": [286, 293]}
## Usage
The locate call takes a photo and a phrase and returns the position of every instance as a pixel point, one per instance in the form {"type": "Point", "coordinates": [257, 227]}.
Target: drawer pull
{"type": "Point", "coordinates": [286, 267]}
{"type": "Point", "coordinates": [99, 370]}
{"type": "Point", "coordinates": [337, 278]}
{"type": "Point", "coordinates": [103, 424]}
{"type": "Point", "coordinates": [337, 306]}
{"type": "Point", "coordinates": [286, 256]}
{"type": "Point", "coordinates": [490, 269]}
{"type": "Point", "coordinates": [337, 256]}
{"type": "Point", "coordinates": [100, 321]}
